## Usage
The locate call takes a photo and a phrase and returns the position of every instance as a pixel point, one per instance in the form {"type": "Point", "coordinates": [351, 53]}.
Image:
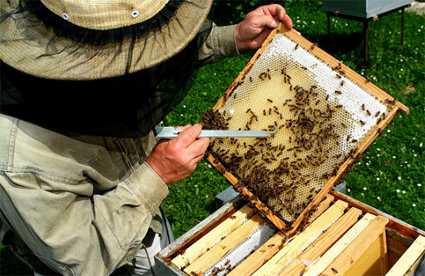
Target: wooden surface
{"type": "Point", "coordinates": [319, 247]}
{"type": "Point", "coordinates": [318, 267]}
{"type": "Point", "coordinates": [403, 229]}
{"type": "Point", "coordinates": [402, 266]}
{"type": "Point", "coordinates": [300, 242]}
{"type": "Point", "coordinates": [204, 262]}
{"type": "Point", "coordinates": [359, 246]}
{"type": "Point", "coordinates": [214, 236]}
{"type": "Point", "coordinates": [299, 257]}
{"type": "Point", "coordinates": [260, 256]}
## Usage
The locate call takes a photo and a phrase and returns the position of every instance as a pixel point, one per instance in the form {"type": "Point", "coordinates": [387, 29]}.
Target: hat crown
{"type": "Point", "coordinates": [105, 14]}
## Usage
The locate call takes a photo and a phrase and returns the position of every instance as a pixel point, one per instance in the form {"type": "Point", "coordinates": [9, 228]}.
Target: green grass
{"type": "Point", "coordinates": [391, 175]}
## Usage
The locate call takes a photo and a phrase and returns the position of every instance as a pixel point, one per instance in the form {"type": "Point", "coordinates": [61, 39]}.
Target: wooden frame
{"type": "Point", "coordinates": [395, 105]}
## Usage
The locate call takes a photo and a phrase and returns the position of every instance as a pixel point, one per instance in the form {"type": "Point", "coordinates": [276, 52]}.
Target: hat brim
{"type": "Point", "coordinates": [27, 45]}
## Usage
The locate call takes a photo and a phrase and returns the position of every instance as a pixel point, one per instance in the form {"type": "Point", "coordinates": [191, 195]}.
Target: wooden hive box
{"type": "Point", "coordinates": [343, 237]}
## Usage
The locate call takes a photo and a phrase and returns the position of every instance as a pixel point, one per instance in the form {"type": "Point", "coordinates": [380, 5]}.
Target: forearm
{"type": "Point", "coordinates": [220, 43]}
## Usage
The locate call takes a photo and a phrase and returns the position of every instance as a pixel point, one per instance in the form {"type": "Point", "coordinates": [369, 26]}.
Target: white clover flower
{"type": "Point", "coordinates": [184, 106]}
{"type": "Point", "coordinates": [389, 130]}
{"type": "Point", "coordinates": [378, 198]}
{"type": "Point", "coordinates": [394, 157]}
{"type": "Point", "coordinates": [378, 149]}
{"type": "Point", "coordinates": [209, 166]}
{"type": "Point", "coordinates": [349, 190]}
{"type": "Point", "coordinates": [419, 185]}
{"type": "Point", "coordinates": [421, 144]}
{"type": "Point", "coordinates": [403, 192]}
{"type": "Point", "coordinates": [362, 194]}
{"type": "Point", "coordinates": [413, 205]}
{"type": "Point", "coordinates": [398, 190]}
{"type": "Point", "coordinates": [399, 178]}
{"type": "Point", "coordinates": [365, 188]}
{"type": "Point", "coordinates": [377, 179]}
{"type": "Point", "coordinates": [181, 115]}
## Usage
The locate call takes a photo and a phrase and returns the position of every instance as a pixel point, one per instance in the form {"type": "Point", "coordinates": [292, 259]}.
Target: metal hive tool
{"type": "Point", "coordinates": [326, 116]}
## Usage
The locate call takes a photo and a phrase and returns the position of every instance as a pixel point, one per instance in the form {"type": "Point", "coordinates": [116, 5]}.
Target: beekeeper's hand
{"type": "Point", "coordinates": [257, 25]}
{"type": "Point", "coordinates": [175, 159]}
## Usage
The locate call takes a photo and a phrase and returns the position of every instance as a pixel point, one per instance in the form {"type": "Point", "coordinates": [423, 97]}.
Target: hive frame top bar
{"type": "Point", "coordinates": [394, 107]}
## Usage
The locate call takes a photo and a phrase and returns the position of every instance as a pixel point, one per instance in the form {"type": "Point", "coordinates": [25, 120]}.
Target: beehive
{"type": "Point", "coordinates": [323, 116]}
{"type": "Point", "coordinates": [343, 237]}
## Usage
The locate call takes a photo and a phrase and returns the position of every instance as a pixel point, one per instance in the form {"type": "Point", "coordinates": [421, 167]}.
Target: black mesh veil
{"type": "Point", "coordinates": [126, 106]}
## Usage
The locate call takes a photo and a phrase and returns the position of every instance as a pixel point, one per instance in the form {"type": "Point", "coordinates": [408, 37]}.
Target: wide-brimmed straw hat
{"type": "Point", "coordinates": [31, 45]}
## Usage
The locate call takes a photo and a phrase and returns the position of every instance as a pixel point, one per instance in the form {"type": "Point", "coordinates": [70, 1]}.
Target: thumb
{"type": "Point", "coordinates": [267, 21]}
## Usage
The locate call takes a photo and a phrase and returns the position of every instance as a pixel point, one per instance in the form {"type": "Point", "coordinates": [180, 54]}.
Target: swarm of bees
{"type": "Point", "coordinates": [316, 132]}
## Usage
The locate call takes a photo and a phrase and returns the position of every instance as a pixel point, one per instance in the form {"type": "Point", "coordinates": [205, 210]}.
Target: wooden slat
{"type": "Point", "coordinates": [299, 243]}
{"type": "Point", "coordinates": [211, 257]}
{"type": "Point", "coordinates": [222, 230]}
{"type": "Point", "coordinates": [373, 261]}
{"type": "Point", "coordinates": [412, 254]}
{"type": "Point", "coordinates": [260, 256]}
{"type": "Point", "coordinates": [402, 229]}
{"type": "Point", "coordinates": [244, 191]}
{"type": "Point", "coordinates": [356, 249]}
{"type": "Point", "coordinates": [321, 208]}
{"type": "Point", "coordinates": [318, 248]}
{"type": "Point", "coordinates": [338, 247]}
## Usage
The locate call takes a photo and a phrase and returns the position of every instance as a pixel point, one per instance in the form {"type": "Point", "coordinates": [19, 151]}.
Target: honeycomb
{"type": "Point", "coordinates": [321, 117]}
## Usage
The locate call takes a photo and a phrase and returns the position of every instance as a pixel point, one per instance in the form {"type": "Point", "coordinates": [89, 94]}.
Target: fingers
{"type": "Point", "coordinates": [174, 160]}
{"type": "Point", "coordinates": [188, 135]}
{"type": "Point", "coordinates": [279, 13]}
{"type": "Point", "coordinates": [265, 21]}
{"type": "Point", "coordinates": [253, 30]}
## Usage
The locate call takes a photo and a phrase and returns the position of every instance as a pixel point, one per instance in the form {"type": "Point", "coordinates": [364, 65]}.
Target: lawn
{"type": "Point", "coordinates": [390, 176]}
